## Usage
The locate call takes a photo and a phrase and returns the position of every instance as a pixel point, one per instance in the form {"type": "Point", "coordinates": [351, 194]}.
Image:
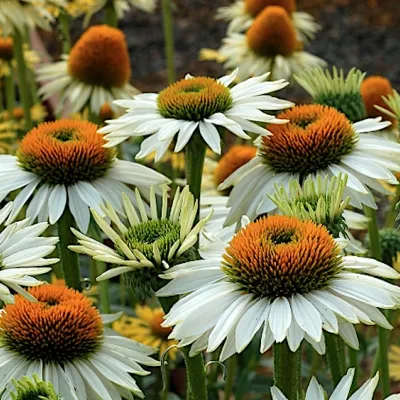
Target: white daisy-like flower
{"type": "Point", "coordinates": [145, 246]}
{"type": "Point", "coordinates": [196, 104]}
{"type": "Point", "coordinates": [285, 277]}
{"type": "Point", "coordinates": [270, 44]}
{"type": "Point", "coordinates": [96, 71]}
{"type": "Point", "coordinates": [342, 391]}
{"type": "Point", "coordinates": [241, 14]}
{"type": "Point", "coordinates": [26, 14]}
{"type": "Point", "coordinates": [22, 253]}
{"type": "Point", "coordinates": [317, 140]}
{"type": "Point", "coordinates": [64, 164]}
{"type": "Point", "coordinates": [62, 339]}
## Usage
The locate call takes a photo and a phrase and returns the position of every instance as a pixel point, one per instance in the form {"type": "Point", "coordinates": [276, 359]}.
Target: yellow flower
{"type": "Point", "coordinates": [394, 362]}
{"type": "Point", "coordinates": [146, 328]}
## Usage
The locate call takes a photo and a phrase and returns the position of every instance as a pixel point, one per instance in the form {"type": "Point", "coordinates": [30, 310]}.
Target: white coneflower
{"type": "Point", "coordinates": [62, 338]}
{"type": "Point", "coordinates": [145, 246]}
{"type": "Point", "coordinates": [341, 392]}
{"type": "Point", "coordinates": [63, 164]}
{"type": "Point", "coordinates": [96, 71]}
{"type": "Point", "coordinates": [196, 106]}
{"type": "Point", "coordinates": [22, 256]}
{"type": "Point", "coordinates": [282, 276]}
{"type": "Point", "coordinates": [317, 140]}
{"type": "Point", "coordinates": [270, 44]}
{"type": "Point", "coordinates": [241, 14]}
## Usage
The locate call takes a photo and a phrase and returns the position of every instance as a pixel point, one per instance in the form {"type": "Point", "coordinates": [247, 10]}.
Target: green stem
{"type": "Point", "coordinates": [64, 27]}
{"type": "Point", "coordinates": [22, 78]}
{"type": "Point", "coordinates": [195, 152]}
{"type": "Point", "coordinates": [392, 214]}
{"type": "Point", "coordinates": [230, 377]}
{"type": "Point", "coordinates": [169, 39]}
{"type": "Point", "coordinates": [383, 336]}
{"type": "Point", "coordinates": [111, 14]}
{"type": "Point", "coordinates": [165, 381]}
{"type": "Point", "coordinates": [376, 251]}
{"type": "Point", "coordinates": [69, 259]}
{"type": "Point", "coordinates": [10, 94]}
{"type": "Point", "coordinates": [196, 375]}
{"type": "Point", "coordinates": [104, 288]}
{"type": "Point", "coordinates": [336, 357]}
{"type": "Point", "coordinates": [353, 358]}
{"type": "Point", "coordinates": [34, 94]}
{"type": "Point", "coordinates": [287, 370]}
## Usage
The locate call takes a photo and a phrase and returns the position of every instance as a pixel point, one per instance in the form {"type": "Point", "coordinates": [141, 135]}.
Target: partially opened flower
{"type": "Point", "coordinates": [392, 106]}
{"type": "Point", "coordinates": [146, 328]}
{"type": "Point", "coordinates": [389, 238]}
{"type": "Point", "coordinates": [322, 200]}
{"type": "Point", "coordinates": [282, 276]}
{"type": "Point", "coordinates": [96, 71]}
{"type": "Point", "coordinates": [270, 44]}
{"type": "Point", "coordinates": [241, 14]}
{"type": "Point", "coordinates": [22, 256]}
{"type": "Point", "coordinates": [341, 392]}
{"type": "Point", "coordinates": [33, 388]}
{"type": "Point", "coordinates": [336, 90]}
{"type": "Point", "coordinates": [196, 106]}
{"type": "Point", "coordinates": [62, 338]}
{"type": "Point", "coordinates": [143, 247]}
{"type": "Point", "coordinates": [317, 140]}
{"type": "Point", "coordinates": [373, 91]}
{"type": "Point", "coordinates": [64, 164]}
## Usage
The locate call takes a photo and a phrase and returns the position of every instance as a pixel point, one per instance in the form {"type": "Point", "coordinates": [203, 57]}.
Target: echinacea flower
{"type": "Point", "coordinates": [21, 15]}
{"type": "Point", "coordinates": [121, 7]}
{"type": "Point", "coordinates": [392, 106]}
{"type": "Point", "coordinates": [96, 71]}
{"type": "Point", "coordinates": [373, 89]}
{"type": "Point", "coordinates": [285, 277]}
{"type": "Point", "coordinates": [193, 106]}
{"type": "Point", "coordinates": [317, 140]}
{"type": "Point", "coordinates": [33, 388]}
{"type": "Point", "coordinates": [22, 256]}
{"type": "Point", "coordinates": [145, 246]}
{"type": "Point", "coordinates": [241, 14]}
{"type": "Point", "coordinates": [64, 164]}
{"type": "Point", "coordinates": [270, 44]}
{"type": "Point", "coordinates": [146, 328]}
{"type": "Point", "coordinates": [336, 90]}
{"type": "Point", "coordinates": [341, 392]}
{"type": "Point", "coordinates": [61, 338]}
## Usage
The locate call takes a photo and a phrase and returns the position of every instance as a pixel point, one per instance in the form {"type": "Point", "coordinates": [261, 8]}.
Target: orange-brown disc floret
{"type": "Point", "coordinates": [281, 256]}
{"type": "Point", "coordinates": [100, 57]}
{"type": "Point", "coordinates": [6, 49]}
{"type": "Point", "coordinates": [372, 90]}
{"type": "Point", "coordinates": [315, 137]}
{"type": "Point", "coordinates": [194, 99]}
{"type": "Point", "coordinates": [254, 7]}
{"type": "Point", "coordinates": [106, 112]}
{"type": "Point", "coordinates": [62, 326]}
{"type": "Point", "coordinates": [233, 159]}
{"type": "Point", "coordinates": [65, 152]}
{"type": "Point", "coordinates": [18, 113]}
{"type": "Point", "coordinates": [155, 325]}
{"type": "Point", "coordinates": [272, 33]}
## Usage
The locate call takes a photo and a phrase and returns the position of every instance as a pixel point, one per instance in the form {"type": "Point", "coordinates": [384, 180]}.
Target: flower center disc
{"type": "Point", "coordinates": [6, 49]}
{"type": "Point", "coordinates": [281, 256]}
{"type": "Point", "coordinates": [272, 33]}
{"type": "Point", "coordinates": [155, 325]}
{"type": "Point", "coordinates": [194, 99]}
{"type": "Point", "coordinates": [100, 57]}
{"type": "Point", "coordinates": [60, 327]}
{"type": "Point", "coordinates": [233, 159]}
{"type": "Point", "coordinates": [254, 7]}
{"type": "Point", "coordinates": [65, 152]}
{"type": "Point", "coordinates": [316, 137]}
